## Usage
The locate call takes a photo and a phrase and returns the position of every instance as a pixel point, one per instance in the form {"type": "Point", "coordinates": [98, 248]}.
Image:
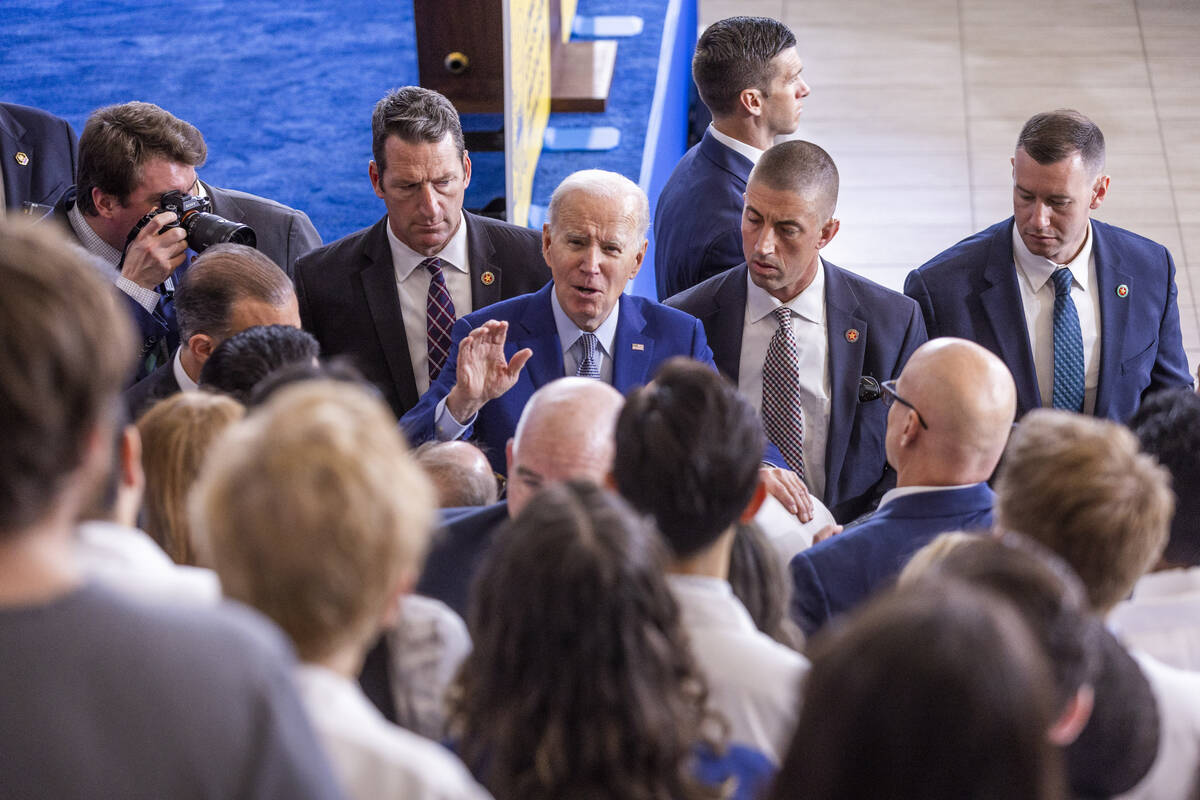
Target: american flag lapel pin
{"type": "Point", "coordinates": [639, 346]}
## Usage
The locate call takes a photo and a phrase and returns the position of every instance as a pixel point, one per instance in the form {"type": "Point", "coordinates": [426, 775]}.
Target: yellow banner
{"type": "Point", "coordinates": [526, 99]}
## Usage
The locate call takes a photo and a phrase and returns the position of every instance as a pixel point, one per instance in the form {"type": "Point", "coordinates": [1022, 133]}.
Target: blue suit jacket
{"type": "Point", "coordinates": [889, 329]}
{"type": "Point", "coordinates": [49, 147]}
{"type": "Point", "coordinates": [457, 551]}
{"type": "Point", "coordinates": [647, 335]}
{"type": "Point", "coordinates": [698, 217]}
{"type": "Point", "coordinates": [837, 574]}
{"type": "Point", "coordinates": [971, 291]}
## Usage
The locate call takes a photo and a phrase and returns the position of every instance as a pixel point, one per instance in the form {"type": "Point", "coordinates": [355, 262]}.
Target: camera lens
{"type": "Point", "coordinates": [205, 230]}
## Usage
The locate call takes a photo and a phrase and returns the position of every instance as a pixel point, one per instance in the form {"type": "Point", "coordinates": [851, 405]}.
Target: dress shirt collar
{"type": "Point", "coordinates": [91, 240]}
{"type": "Point", "coordinates": [186, 384]}
{"type": "Point", "coordinates": [709, 602]}
{"type": "Point", "coordinates": [809, 304]}
{"type": "Point", "coordinates": [405, 259]}
{"type": "Point", "coordinates": [741, 148]}
{"type": "Point", "coordinates": [1037, 270]}
{"type": "Point", "coordinates": [1167, 583]}
{"type": "Point", "coordinates": [337, 696]}
{"type": "Point", "coordinates": [569, 333]}
{"type": "Point", "coordinates": [904, 491]}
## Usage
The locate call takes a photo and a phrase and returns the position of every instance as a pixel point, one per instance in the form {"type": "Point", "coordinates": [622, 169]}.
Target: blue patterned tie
{"type": "Point", "coordinates": [589, 365]}
{"type": "Point", "coordinates": [1068, 346]}
{"type": "Point", "coordinates": [782, 414]}
{"type": "Point", "coordinates": [439, 317]}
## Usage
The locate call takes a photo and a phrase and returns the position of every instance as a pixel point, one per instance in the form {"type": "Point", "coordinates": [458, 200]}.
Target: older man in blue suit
{"type": "Point", "coordinates": [949, 416]}
{"type": "Point", "coordinates": [795, 332]}
{"type": "Point", "coordinates": [1083, 313]}
{"type": "Point", "coordinates": [582, 323]}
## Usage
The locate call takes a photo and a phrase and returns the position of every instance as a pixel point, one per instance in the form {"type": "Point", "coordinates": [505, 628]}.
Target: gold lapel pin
{"type": "Point", "coordinates": [487, 278]}
{"type": "Point", "coordinates": [852, 335]}
{"type": "Point", "coordinates": [22, 159]}
{"type": "Point", "coordinates": [1122, 291]}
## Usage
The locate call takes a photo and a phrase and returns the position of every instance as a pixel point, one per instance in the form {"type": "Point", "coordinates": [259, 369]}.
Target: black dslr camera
{"type": "Point", "coordinates": [195, 216]}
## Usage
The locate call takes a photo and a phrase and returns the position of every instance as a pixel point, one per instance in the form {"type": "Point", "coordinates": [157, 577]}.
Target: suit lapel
{"type": "Point", "coordinates": [383, 303]}
{"type": "Point", "coordinates": [539, 333]}
{"type": "Point", "coordinates": [726, 323]}
{"type": "Point", "coordinates": [633, 347]}
{"type": "Point", "coordinates": [17, 176]}
{"type": "Point", "coordinates": [1006, 314]}
{"type": "Point", "coordinates": [1114, 314]}
{"type": "Point", "coordinates": [486, 277]}
{"type": "Point", "coordinates": [726, 159]}
{"type": "Point", "coordinates": [843, 322]}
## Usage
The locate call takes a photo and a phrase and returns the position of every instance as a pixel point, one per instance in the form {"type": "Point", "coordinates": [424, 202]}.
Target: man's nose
{"type": "Point", "coordinates": [766, 241]}
{"type": "Point", "coordinates": [802, 89]}
{"type": "Point", "coordinates": [429, 205]}
{"type": "Point", "coordinates": [1041, 215]}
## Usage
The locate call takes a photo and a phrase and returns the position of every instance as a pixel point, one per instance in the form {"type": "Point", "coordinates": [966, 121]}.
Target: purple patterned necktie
{"type": "Point", "coordinates": [439, 317]}
{"type": "Point", "coordinates": [782, 415]}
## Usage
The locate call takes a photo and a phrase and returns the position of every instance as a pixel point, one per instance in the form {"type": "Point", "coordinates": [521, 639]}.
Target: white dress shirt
{"type": "Point", "coordinates": [752, 680]}
{"type": "Point", "coordinates": [812, 352]}
{"type": "Point", "coordinates": [1037, 299]}
{"type": "Point", "coordinates": [736, 145]}
{"type": "Point", "coordinates": [1163, 617]}
{"type": "Point", "coordinates": [129, 561]}
{"type": "Point", "coordinates": [1177, 765]}
{"type": "Point", "coordinates": [186, 384]}
{"type": "Point", "coordinates": [373, 758]}
{"type": "Point", "coordinates": [412, 284]}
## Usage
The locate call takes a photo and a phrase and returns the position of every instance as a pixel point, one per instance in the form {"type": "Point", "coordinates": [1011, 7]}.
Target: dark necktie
{"type": "Point", "coordinates": [589, 365]}
{"type": "Point", "coordinates": [782, 415]}
{"type": "Point", "coordinates": [439, 317]}
{"type": "Point", "coordinates": [1068, 346]}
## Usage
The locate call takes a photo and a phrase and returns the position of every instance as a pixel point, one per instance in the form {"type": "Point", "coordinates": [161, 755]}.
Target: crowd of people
{"type": "Point", "coordinates": [439, 510]}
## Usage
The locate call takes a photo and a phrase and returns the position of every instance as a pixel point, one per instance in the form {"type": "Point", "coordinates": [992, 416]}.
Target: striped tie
{"type": "Point", "coordinates": [782, 415]}
{"type": "Point", "coordinates": [589, 365]}
{"type": "Point", "coordinates": [439, 317]}
{"type": "Point", "coordinates": [1068, 346]}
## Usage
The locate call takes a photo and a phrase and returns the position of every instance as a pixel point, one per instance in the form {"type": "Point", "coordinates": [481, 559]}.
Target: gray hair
{"type": "Point", "coordinates": [602, 183]}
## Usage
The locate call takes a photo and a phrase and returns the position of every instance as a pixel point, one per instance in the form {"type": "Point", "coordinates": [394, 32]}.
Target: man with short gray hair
{"type": "Point", "coordinates": [388, 295]}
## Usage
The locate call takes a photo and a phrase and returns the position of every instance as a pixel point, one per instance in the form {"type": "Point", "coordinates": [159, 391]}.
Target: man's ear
{"type": "Point", "coordinates": [201, 346]}
{"type": "Point", "coordinates": [828, 231]}
{"type": "Point", "coordinates": [756, 501]}
{"type": "Point", "coordinates": [106, 204]}
{"type": "Point", "coordinates": [1099, 191]}
{"type": "Point", "coordinates": [508, 456]}
{"type": "Point", "coordinates": [1074, 719]}
{"type": "Point", "coordinates": [132, 475]}
{"type": "Point", "coordinates": [376, 176]}
{"type": "Point", "coordinates": [750, 101]}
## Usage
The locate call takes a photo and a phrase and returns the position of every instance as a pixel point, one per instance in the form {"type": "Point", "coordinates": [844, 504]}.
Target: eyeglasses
{"type": "Point", "coordinates": [890, 396]}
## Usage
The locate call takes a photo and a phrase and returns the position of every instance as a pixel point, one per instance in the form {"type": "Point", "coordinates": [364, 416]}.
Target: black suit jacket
{"type": "Point", "coordinates": [156, 386]}
{"type": "Point", "coordinates": [48, 147]}
{"type": "Point", "coordinates": [349, 300]}
{"type": "Point", "coordinates": [457, 551]}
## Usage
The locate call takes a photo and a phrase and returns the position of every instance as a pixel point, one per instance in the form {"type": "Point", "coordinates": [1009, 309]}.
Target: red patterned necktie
{"type": "Point", "coordinates": [439, 317]}
{"type": "Point", "coordinates": [782, 415]}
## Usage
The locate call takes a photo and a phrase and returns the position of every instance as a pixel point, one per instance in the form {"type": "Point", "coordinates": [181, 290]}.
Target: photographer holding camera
{"type": "Point", "coordinates": [138, 206]}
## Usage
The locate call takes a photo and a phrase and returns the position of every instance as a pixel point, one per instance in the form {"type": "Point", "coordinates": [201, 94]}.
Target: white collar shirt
{"type": "Point", "coordinates": [1163, 617]}
{"type": "Point", "coordinates": [812, 351]}
{"type": "Point", "coordinates": [186, 384]}
{"type": "Point", "coordinates": [570, 338]}
{"type": "Point", "coordinates": [129, 561]}
{"type": "Point", "coordinates": [1037, 300]}
{"type": "Point", "coordinates": [372, 757]}
{"type": "Point", "coordinates": [904, 491]}
{"type": "Point", "coordinates": [736, 145]}
{"type": "Point", "coordinates": [753, 680]}
{"type": "Point", "coordinates": [1177, 765]}
{"type": "Point", "coordinates": [412, 284]}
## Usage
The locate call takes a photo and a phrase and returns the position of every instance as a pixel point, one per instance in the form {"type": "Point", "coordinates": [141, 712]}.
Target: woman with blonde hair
{"type": "Point", "coordinates": [176, 435]}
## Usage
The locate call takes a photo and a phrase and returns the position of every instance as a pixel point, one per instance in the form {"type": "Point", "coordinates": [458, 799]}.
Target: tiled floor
{"type": "Point", "coordinates": [920, 101]}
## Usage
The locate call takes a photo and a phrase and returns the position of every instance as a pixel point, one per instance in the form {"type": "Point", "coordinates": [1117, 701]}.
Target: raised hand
{"type": "Point", "coordinates": [483, 373]}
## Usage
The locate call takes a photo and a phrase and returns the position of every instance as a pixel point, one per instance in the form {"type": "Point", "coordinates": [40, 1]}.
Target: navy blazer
{"type": "Point", "coordinates": [47, 146]}
{"type": "Point", "coordinates": [698, 217]}
{"type": "Point", "coordinates": [840, 572]}
{"type": "Point", "coordinates": [888, 329]}
{"type": "Point", "coordinates": [457, 551]}
{"type": "Point", "coordinates": [648, 334]}
{"type": "Point", "coordinates": [971, 291]}
{"type": "Point", "coordinates": [158, 385]}
{"type": "Point", "coordinates": [349, 300]}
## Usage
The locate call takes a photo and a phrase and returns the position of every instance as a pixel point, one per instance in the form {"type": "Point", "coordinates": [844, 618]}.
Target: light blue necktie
{"type": "Point", "coordinates": [589, 365]}
{"type": "Point", "coordinates": [1068, 346]}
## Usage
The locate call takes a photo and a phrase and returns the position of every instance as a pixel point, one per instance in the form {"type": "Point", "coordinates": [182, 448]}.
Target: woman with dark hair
{"type": "Point", "coordinates": [931, 692]}
{"type": "Point", "coordinates": [581, 683]}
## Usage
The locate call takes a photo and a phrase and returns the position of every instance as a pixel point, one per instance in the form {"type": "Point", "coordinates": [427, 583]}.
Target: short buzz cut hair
{"type": "Point", "coordinates": [695, 486]}
{"type": "Point", "coordinates": [303, 518]}
{"type": "Point", "coordinates": [415, 114]}
{"type": "Point", "coordinates": [1051, 136]}
{"type": "Point", "coordinates": [801, 168]}
{"type": "Point", "coordinates": [65, 353]}
{"type": "Point", "coordinates": [117, 141]}
{"type": "Point", "coordinates": [1081, 487]}
{"type": "Point", "coordinates": [1168, 427]}
{"type": "Point", "coordinates": [221, 276]}
{"type": "Point", "coordinates": [735, 54]}
{"type": "Point", "coordinates": [601, 183]}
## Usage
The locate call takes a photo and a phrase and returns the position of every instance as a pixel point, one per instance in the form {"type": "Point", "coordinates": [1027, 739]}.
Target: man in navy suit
{"type": "Point", "coordinates": [844, 326]}
{"type": "Point", "coordinates": [949, 416]}
{"type": "Point", "coordinates": [998, 287]}
{"type": "Point", "coordinates": [748, 74]}
{"type": "Point", "coordinates": [37, 156]}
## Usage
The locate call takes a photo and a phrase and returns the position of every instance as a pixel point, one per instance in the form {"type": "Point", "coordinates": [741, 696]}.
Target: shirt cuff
{"type": "Point", "coordinates": [146, 298]}
{"type": "Point", "coordinates": [446, 426]}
